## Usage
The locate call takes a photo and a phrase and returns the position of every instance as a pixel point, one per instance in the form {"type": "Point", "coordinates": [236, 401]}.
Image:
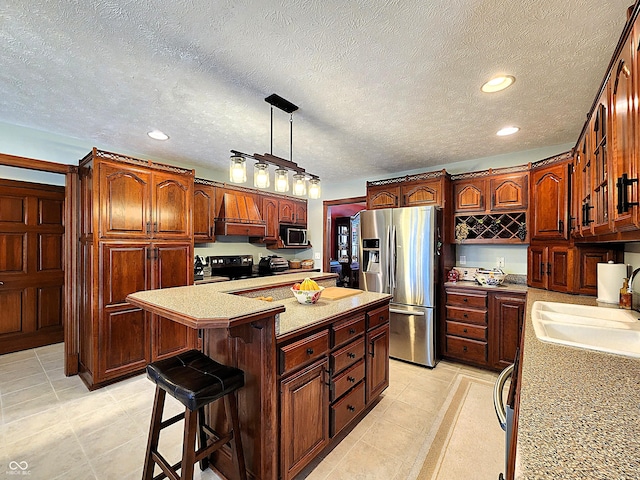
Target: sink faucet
{"type": "Point", "coordinates": [631, 278]}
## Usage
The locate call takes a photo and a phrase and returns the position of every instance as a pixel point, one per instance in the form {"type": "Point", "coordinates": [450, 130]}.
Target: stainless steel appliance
{"type": "Point", "coordinates": [504, 407]}
{"type": "Point", "coordinates": [293, 236]}
{"type": "Point", "coordinates": [272, 264]}
{"type": "Point", "coordinates": [232, 266]}
{"type": "Point", "coordinates": [399, 249]}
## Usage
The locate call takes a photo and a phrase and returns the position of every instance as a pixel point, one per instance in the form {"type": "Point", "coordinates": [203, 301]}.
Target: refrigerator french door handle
{"type": "Point", "coordinates": [392, 258]}
{"type": "Point", "coordinates": [388, 263]}
{"type": "Point", "coordinates": [406, 312]}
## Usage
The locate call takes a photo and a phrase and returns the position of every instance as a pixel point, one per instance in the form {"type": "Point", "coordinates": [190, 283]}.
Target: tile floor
{"type": "Point", "coordinates": [49, 428]}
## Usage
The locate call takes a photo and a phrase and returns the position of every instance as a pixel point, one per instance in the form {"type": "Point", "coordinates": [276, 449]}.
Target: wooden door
{"type": "Point", "coordinates": [560, 269]}
{"type": "Point", "coordinates": [587, 259]}
{"type": "Point", "coordinates": [624, 115]}
{"type": "Point", "coordinates": [125, 201]}
{"type": "Point", "coordinates": [270, 217]}
{"type": "Point", "coordinates": [584, 209]}
{"type": "Point", "coordinates": [509, 191]}
{"type": "Point", "coordinates": [172, 200]}
{"type": "Point", "coordinates": [469, 195]}
{"type": "Point", "coordinates": [549, 203]}
{"type": "Point", "coordinates": [304, 417]}
{"type": "Point", "coordinates": [601, 166]}
{"type": "Point", "coordinates": [507, 315]}
{"type": "Point", "coordinates": [172, 267]}
{"type": "Point", "coordinates": [425, 193]}
{"type": "Point", "coordinates": [300, 213]}
{"type": "Point", "coordinates": [31, 265]}
{"type": "Point", "coordinates": [204, 199]}
{"type": "Point", "coordinates": [123, 333]}
{"type": "Point", "coordinates": [377, 366]}
{"type": "Point", "coordinates": [537, 266]}
{"type": "Point", "coordinates": [286, 211]}
{"type": "Point", "coordinates": [383, 196]}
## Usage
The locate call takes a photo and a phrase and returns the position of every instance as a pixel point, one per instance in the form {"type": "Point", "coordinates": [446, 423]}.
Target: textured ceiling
{"type": "Point", "coordinates": [382, 86]}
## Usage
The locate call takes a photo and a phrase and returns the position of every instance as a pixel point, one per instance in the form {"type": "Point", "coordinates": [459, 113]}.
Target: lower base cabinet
{"type": "Point", "coordinates": [483, 327]}
{"type": "Point", "coordinates": [328, 378]}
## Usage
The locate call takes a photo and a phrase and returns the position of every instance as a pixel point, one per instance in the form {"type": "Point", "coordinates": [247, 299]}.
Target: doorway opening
{"type": "Point", "coordinates": [340, 242]}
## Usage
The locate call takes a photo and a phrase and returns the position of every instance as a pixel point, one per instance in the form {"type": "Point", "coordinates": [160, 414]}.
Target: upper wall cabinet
{"type": "Point", "coordinates": [430, 188]}
{"type": "Point", "coordinates": [204, 211]}
{"type": "Point", "coordinates": [550, 200]}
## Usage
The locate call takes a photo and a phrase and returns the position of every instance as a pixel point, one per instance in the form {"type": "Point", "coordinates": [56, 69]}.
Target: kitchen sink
{"type": "Point", "coordinates": [594, 328]}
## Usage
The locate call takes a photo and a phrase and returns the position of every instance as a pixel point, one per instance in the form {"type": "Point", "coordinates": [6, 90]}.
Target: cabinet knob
{"type": "Point", "coordinates": [465, 315]}
{"type": "Point", "coordinates": [351, 355]}
{"type": "Point", "coordinates": [465, 331]}
{"type": "Point", "coordinates": [464, 300]}
{"type": "Point", "coordinates": [381, 317]}
{"type": "Point", "coordinates": [309, 351]}
{"type": "Point", "coordinates": [464, 349]}
{"type": "Point", "coordinates": [351, 408]}
{"type": "Point", "coordinates": [352, 331]}
{"type": "Point", "coordinates": [351, 379]}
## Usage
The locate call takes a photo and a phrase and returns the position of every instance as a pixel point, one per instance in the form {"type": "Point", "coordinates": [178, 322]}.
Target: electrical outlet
{"type": "Point", "coordinates": [500, 262]}
{"type": "Point", "coordinates": [463, 259]}
{"type": "Point", "coordinates": [317, 255]}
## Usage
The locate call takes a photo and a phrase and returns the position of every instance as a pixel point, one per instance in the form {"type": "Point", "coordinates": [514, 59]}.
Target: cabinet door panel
{"type": "Point", "coordinates": [377, 356]}
{"type": "Point", "coordinates": [300, 212]}
{"type": "Point", "coordinates": [173, 265]}
{"type": "Point", "coordinates": [561, 269]}
{"type": "Point", "coordinates": [286, 211]}
{"type": "Point", "coordinates": [469, 195]}
{"type": "Point", "coordinates": [507, 317]}
{"type": "Point", "coordinates": [304, 427]}
{"type": "Point", "coordinates": [125, 270]}
{"type": "Point", "coordinates": [203, 213]}
{"type": "Point", "coordinates": [172, 198]}
{"type": "Point", "coordinates": [124, 342]}
{"type": "Point", "coordinates": [537, 267]}
{"type": "Point", "coordinates": [270, 217]}
{"type": "Point", "coordinates": [424, 194]}
{"type": "Point", "coordinates": [383, 196]}
{"type": "Point", "coordinates": [550, 203]}
{"type": "Point", "coordinates": [509, 192]}
{"type": "Point", "coordinates": [125, 208]}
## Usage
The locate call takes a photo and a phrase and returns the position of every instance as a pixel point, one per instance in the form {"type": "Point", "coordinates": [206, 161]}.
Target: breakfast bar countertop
{"type": "Point", "coordinates": [221, 305]}
{"type": "Point", "coordinates": [579, 409]}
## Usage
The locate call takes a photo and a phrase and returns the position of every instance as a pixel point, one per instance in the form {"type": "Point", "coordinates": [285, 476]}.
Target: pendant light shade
{"type": "Point", "coordinates": [299, 185]}
{"type": "Point", "coordinates": [261, 175]}
{"type": "Point", "coordinates": [314, 188]}
{"type": "Point", "coordinates": [237, 170]}
{"type": "Point", "coordinates": [281, 182]}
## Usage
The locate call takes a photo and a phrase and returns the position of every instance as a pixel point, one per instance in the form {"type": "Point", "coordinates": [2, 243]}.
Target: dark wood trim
{"type": "Point", "coordinates": [326, 241]}
{"type": "Point", "coordinates": [33, 164]}
{"type": "Point", "coordinates": [71, 281]}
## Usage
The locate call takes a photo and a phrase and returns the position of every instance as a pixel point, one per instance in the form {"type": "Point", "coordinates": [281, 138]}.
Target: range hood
{"type": "Point", "coordinates": [239, 215]}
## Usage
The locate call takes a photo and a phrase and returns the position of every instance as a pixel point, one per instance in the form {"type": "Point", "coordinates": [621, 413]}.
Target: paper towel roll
{"type": "Point", "coordinates": [610, 277]}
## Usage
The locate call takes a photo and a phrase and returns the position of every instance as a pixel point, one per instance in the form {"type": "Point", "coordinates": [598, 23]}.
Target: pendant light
{"type": "Point", "coordinates": [261, 175]}
{"type": "Point", "coordinates": [314, 188]}
{"type": "Point", "coordinates": [299, 185]}
{"type": "Point", "coordinates": [237, 169]}
{"type": "Point", "coordinates": [281, 182]}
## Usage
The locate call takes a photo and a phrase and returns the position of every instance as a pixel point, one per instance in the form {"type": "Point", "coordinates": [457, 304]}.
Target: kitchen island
{"type": "Point", "coordinates": [579, 410]}
{"type": "Point", "coordinates": [311, 371]}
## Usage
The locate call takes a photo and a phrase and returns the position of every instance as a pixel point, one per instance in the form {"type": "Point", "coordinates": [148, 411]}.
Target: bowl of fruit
{"type": "Point", "coordinates": [308, 292]}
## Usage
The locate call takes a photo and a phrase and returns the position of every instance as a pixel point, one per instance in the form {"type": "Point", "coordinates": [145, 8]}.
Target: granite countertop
{"type": "Point", "coordinates": [579, 410]}
{"type": "Point", "coordinates": [220, 305]}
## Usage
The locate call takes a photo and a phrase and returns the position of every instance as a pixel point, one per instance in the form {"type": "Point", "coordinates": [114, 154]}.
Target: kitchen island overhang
{"type": "Point", "coordinates": [313, 341]}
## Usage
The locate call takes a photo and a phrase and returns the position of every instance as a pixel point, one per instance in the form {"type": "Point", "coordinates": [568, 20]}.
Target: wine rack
{"type": "Point", "coordinates": [492, 228]}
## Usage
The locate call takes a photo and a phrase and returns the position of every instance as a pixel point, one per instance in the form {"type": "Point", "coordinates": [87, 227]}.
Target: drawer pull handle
{"type": "Point", "coordinates": [464, 300]}
{"type": "Point", "coordinates": [351, 355]}
{"type": "Point", "coordinates": [351, 408]}
{"type": "Point", "coordinates": [309, 351]}
{"type": "Point", "coordinates": [465, 315]}
{"type": "Point", "coordinates": [464, 349]}
{"type": "Point", "coordinates": [464, 330]}
{"type": "Point", "coordinates": [381, 317]}
{"type": "Point", "coordinates": [352, 331]}
{"type": "Point", "coordinates": [351, 379]}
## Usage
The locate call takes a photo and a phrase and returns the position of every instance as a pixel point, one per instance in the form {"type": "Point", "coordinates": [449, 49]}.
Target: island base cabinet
{"type": "Point", "coordinates": [304, 411]}
{"type": "Point", "coordinates": [377, 361]}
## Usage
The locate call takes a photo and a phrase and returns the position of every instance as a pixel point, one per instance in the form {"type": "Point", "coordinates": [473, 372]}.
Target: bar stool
{"type": "Point", "coordinates": [195, 380]}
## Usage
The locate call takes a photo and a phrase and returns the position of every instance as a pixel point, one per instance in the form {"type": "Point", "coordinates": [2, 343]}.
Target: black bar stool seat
{"type": "Point", "coordinates": [195, 380]}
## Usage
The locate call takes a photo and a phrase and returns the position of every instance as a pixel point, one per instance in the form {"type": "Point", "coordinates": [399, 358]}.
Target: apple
{"type": "Point", "coordinates": [296, 286]}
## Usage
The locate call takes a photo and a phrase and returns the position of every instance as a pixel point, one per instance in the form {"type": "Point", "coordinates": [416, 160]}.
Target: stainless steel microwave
{"type": "Point", "coordinates": [294, 236]}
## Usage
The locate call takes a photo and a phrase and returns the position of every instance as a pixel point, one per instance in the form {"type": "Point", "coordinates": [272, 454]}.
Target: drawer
{"type": "Point", "coordinates": [347, 355]}
{"type": "Point", "coordinates": [347, 330]}
{"type": "Point", "coordinates": [377, 317]}
{"type": "Point", "coordinates": [346, 409]}
{"type": "Point", "coordinates": [465, 349]}
{"type": "Point", "coordinates": [467, 299]}
{"type": "Point", "coordinates": [467, 330]}
{"type": "Point", "coordinates": [347, 379]}
{"type": "Point", "coordinates": [249, 229]}
{"type": "Point", "coordinates": [466, 315]}
{"type": "Point", "coordinates": [298, 353]}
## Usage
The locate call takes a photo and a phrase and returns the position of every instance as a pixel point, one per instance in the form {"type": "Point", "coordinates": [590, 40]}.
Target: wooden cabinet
{"type": "Point", "coordinates": [469, 195]}
{"type": "Point", "coordinates": [550, 268]}
{"type": "Point", "coordinates": [270, 216]}
{"type": "Point", "coordinates": [624, 116]}
{"type": "Point", "coordinates": [586, 262]}
{"type": "Point", "coordinates": [300, 211]}
{"type": "Point", "coordinates": [483, 327]}
{"type": "Point", "coordinates": [292, 212]}
{"type": "Point", "coordinates": [429, 188]}
{"type": "Point", "coordinates": [143, 203]}
{"type": "Point", "coordinates": [383, 196]}
{"type": "Point", "coordinates": [304, 423]}
{"type": "Point", "coordinates": [421, 193]}
{"type": "Point", "coordinates": [328, 378]}
{"type": "Point", "coordinates": [204, 212]}
{"type": "Point", "coordinates": [509, 192]}
{"type": "Point", "coordinates": [600, 167]}
{"type": "Point", "coordinates": [144, 241]}
{"type": "Point", "coordinates": [550, 202]}
{"type": "Point", "coordinates": [491, 193]}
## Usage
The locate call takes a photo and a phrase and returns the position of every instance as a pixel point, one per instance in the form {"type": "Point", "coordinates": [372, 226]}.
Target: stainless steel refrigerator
{"type": "Point", "coordinates": [399, 249]}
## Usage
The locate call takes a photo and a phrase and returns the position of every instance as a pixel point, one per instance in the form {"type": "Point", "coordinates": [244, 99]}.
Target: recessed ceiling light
{"type": "Point", "coordinates": [507, 131]}
{"type": "Point", "coordinates": [158, 135]}
{"type": "Point", "coordinates": [498, 83]}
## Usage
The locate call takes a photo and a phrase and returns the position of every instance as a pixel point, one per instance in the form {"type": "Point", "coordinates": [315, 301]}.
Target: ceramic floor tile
{"type": "Point", "coordinates": [16, 357]}
{"type": "Point", "coordinates": [97, 402]}
{"type": "Point", "coordinates": [33, 425]}
{"type": "Point", "coordinates": [9, 372]}
{"type": "Point", "coordinates": [56, 374]}
{"type": "Point", "coordinates": [393, 439]}
{"type": "Point", "coordinates": [99, 442]}
{"type": "Point", "coordinates": [19, 396]}
{"type": "Point", "coordinates": [29, 407]}
{"type": "Point", "coordinates": [122, 462]}
{"type": "Point", "coordinates": [24, 382]}
{"type": "Point", "coordinates": [407, 416]}
{"type": "Point", "coordinates": [54, 347]}
{"type": "Point", "coordinates": [365, 462]}
{"type": "Point", "coordinates": [79, 472]}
